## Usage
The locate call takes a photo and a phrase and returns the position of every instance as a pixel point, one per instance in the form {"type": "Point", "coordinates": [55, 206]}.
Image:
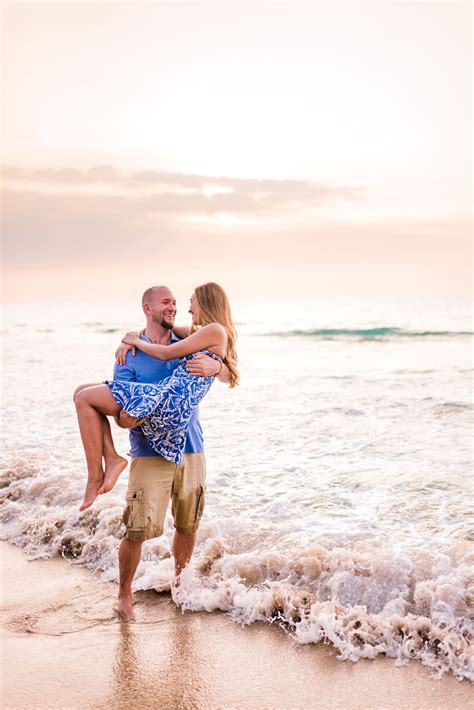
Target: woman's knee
{"type": "Point", "coordinates": [84, 397]}
{"type": "Point", "coordinates": [78, 391]}
{"type": "Point", "coordinates": [97, 397]}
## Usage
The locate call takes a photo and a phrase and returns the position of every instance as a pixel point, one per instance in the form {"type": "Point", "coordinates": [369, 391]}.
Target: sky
{"type": "Point", "coordinates": [282, 149]}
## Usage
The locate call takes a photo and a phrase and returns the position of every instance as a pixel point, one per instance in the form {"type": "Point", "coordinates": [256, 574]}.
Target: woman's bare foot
{"type": "Point", "coordinates": [113, 469]}
{"type": "Point", "coordinates": [125, 609]}
{"type": "Point", "coordinates": [92, 491]}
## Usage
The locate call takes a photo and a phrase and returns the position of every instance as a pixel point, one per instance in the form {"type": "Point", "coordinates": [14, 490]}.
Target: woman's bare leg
{"type": "Point", "coordinates": [81, 388]}
{"type": "Point", "coordinates": [109, 451]}
{"type": "Point", "coordinates": [114, 463]}
{"type": "Point", "coordinates": [111, 458]}
{"type": "Point", "coordinates": [91, 403]}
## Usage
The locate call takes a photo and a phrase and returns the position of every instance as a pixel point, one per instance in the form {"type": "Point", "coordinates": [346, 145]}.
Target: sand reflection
{"type": "Point", "coordinates": [160, 664]}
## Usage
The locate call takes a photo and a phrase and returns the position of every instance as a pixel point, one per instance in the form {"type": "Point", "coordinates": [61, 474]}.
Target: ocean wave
{"type": "Point", "coordinates": [365, 600]}
{"type": "Point", "coordinates": [447, 408]}
{"type": "Point", "coordinates": [362, 603]}
{"type": "Point", "coordinates": [379, 333]}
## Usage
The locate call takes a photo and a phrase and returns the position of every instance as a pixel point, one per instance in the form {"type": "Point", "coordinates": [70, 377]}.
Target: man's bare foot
{"type": "Point", "coordinates": [92, 491]}
{"type": "Point", "coordinates": [113, 469]}
{"type": "Point", "coordinates": [125, 609]}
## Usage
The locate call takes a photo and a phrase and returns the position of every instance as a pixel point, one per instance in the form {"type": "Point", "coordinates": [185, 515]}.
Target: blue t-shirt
{"type": "Point", "coordinates": [145, 368]}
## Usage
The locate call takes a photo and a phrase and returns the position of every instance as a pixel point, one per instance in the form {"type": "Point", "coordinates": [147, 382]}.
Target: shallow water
{"type": "Point", "coordinates": [339, 473]}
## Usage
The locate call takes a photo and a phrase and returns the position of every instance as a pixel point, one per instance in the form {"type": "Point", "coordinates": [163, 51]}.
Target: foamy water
{"type": "Point", "coordinates": [339, 474]}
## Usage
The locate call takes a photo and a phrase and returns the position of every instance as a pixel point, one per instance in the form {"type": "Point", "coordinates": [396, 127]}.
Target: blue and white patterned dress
{"type": "Point", "coordinates": [166, 405]}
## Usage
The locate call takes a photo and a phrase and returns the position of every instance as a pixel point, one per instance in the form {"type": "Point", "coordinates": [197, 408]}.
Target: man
{"type": "Point", "coordinates": [153, 480]}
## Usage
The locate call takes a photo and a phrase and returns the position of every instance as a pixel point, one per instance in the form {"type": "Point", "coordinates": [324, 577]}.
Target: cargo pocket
{"type": "Point", "coordinates": [200, 503]}
{"type": "Point", "coordinates": [134, 515]}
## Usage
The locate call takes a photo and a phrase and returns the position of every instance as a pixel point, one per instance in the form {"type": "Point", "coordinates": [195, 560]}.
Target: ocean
{"type": "Point", "coordinates": [339, 491]}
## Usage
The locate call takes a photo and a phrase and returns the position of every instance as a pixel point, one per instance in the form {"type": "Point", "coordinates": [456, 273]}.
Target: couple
{"type": "Point", "coordinates": [155, 392]}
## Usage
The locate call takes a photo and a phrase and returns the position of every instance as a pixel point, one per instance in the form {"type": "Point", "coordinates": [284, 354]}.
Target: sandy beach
{"type": "Point", "coordinates": [63, 647]}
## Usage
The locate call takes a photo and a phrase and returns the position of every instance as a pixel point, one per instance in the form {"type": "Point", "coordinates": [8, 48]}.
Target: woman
{"type": "Point", "coordinates": [162, 409]}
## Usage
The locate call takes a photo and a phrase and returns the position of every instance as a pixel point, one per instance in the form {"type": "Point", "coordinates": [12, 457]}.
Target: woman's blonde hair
{"type": "Point", "coordinates": [214, 308]}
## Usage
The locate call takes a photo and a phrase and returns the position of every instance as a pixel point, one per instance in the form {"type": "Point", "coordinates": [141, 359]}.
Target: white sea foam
{"type": "Point", "coordinates": [363, 599]}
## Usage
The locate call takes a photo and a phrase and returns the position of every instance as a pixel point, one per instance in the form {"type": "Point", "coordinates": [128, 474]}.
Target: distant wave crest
{"type": "Point", "coordinates": [380, 333]}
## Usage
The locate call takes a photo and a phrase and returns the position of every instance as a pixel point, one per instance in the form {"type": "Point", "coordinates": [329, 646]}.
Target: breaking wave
{"type": "Point", "coordinates": [365, 600]}
{"type": "Point", "coordinates": [380, 333]}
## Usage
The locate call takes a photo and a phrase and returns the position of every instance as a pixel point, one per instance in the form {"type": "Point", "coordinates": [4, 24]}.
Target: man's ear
{"type": "Point", "coordinates": [146, 309]}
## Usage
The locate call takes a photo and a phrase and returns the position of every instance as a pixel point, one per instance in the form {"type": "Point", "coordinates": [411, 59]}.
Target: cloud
{"type": "Point", "coordinates": [62, 229]}
{"type": "Point", "coordinates": [101, 239]}
{"type": "Point", "coordinates": [180, 194]}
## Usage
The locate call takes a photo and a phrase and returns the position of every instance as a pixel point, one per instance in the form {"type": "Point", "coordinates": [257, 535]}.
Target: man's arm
{"type": "Point", "coordinates": [181, 331]}
{"type": "Point", "coordinates": [125, 373]}
{"type": "Point", "coordinates": [204, 366]}
{"type": "Point", "coordinates": [224, 375]}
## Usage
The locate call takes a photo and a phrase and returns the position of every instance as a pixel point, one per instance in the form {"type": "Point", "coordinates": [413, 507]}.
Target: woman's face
{"type": "Point", "coordinates": [194, 310]}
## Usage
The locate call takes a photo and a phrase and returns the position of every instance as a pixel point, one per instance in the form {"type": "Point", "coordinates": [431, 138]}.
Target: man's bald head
{"type": "Point", "coordinates": [159, 306]}
{"type": "Point", "coordinates": [152, 293]}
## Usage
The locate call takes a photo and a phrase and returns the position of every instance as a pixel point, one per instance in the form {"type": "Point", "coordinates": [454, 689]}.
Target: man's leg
{"type": "Point", "coordinates": [183, 546]}
{"type": "Point", "coordinates": [188, 499]}
{"type": "Point", "coordinates": [129, 558]}
{"type": "Point", "coordinates": [148, 494]}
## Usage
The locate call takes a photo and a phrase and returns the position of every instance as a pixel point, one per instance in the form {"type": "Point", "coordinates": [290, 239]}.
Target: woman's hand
{"type": "Point", "coordinates": [125, 421]}
{"type": "Point", "coordinates": [131, 338]}
{"type": "Point", "coordinates": [121, 353]}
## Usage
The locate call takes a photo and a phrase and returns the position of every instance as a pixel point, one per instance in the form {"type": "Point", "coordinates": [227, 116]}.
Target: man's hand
{"type": "Point", "coordinates": [203, 366]}
{"type": "Point", "coordinates": [126, 421]}
{"type": "Point", "coordinates": [121, 353]}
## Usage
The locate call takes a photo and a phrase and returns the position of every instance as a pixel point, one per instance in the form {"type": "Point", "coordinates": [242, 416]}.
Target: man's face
{"type": "Point", "coordinates": [162, 308]}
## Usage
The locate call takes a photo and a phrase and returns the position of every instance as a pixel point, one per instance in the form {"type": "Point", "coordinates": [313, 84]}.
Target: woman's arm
{"type": "Point", "coordinates": [207, 337]}
{"type": "Point", "coordinates": [182, 331]}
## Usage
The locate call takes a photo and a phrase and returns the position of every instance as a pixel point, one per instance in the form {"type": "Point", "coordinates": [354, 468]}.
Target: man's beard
{"type": "Point", "coordinates": [159, 320]}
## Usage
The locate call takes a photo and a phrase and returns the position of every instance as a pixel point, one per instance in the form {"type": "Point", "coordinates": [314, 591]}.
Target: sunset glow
{"type": "Point", "coordinates": [304, 135]}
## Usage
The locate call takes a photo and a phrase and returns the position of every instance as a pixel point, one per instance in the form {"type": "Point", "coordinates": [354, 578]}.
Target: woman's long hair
{"type": "Point", "coordinates": [214, 308]}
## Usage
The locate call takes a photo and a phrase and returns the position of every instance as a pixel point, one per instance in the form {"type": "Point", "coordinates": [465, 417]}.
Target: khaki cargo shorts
{"type": "Point", "coordinates": [152, 482]}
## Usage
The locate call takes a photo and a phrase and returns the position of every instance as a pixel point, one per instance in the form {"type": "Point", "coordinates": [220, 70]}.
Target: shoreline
{"type": "Point", "coordinates": [64, 647]}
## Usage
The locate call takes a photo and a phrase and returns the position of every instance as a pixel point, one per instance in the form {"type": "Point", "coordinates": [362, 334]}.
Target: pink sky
{"type": "Point", "coordinates": [325, 146]}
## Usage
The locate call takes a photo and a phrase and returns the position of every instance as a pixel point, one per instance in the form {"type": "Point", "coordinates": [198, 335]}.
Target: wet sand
{"type": "Point", "coordinates": [63, 647]}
